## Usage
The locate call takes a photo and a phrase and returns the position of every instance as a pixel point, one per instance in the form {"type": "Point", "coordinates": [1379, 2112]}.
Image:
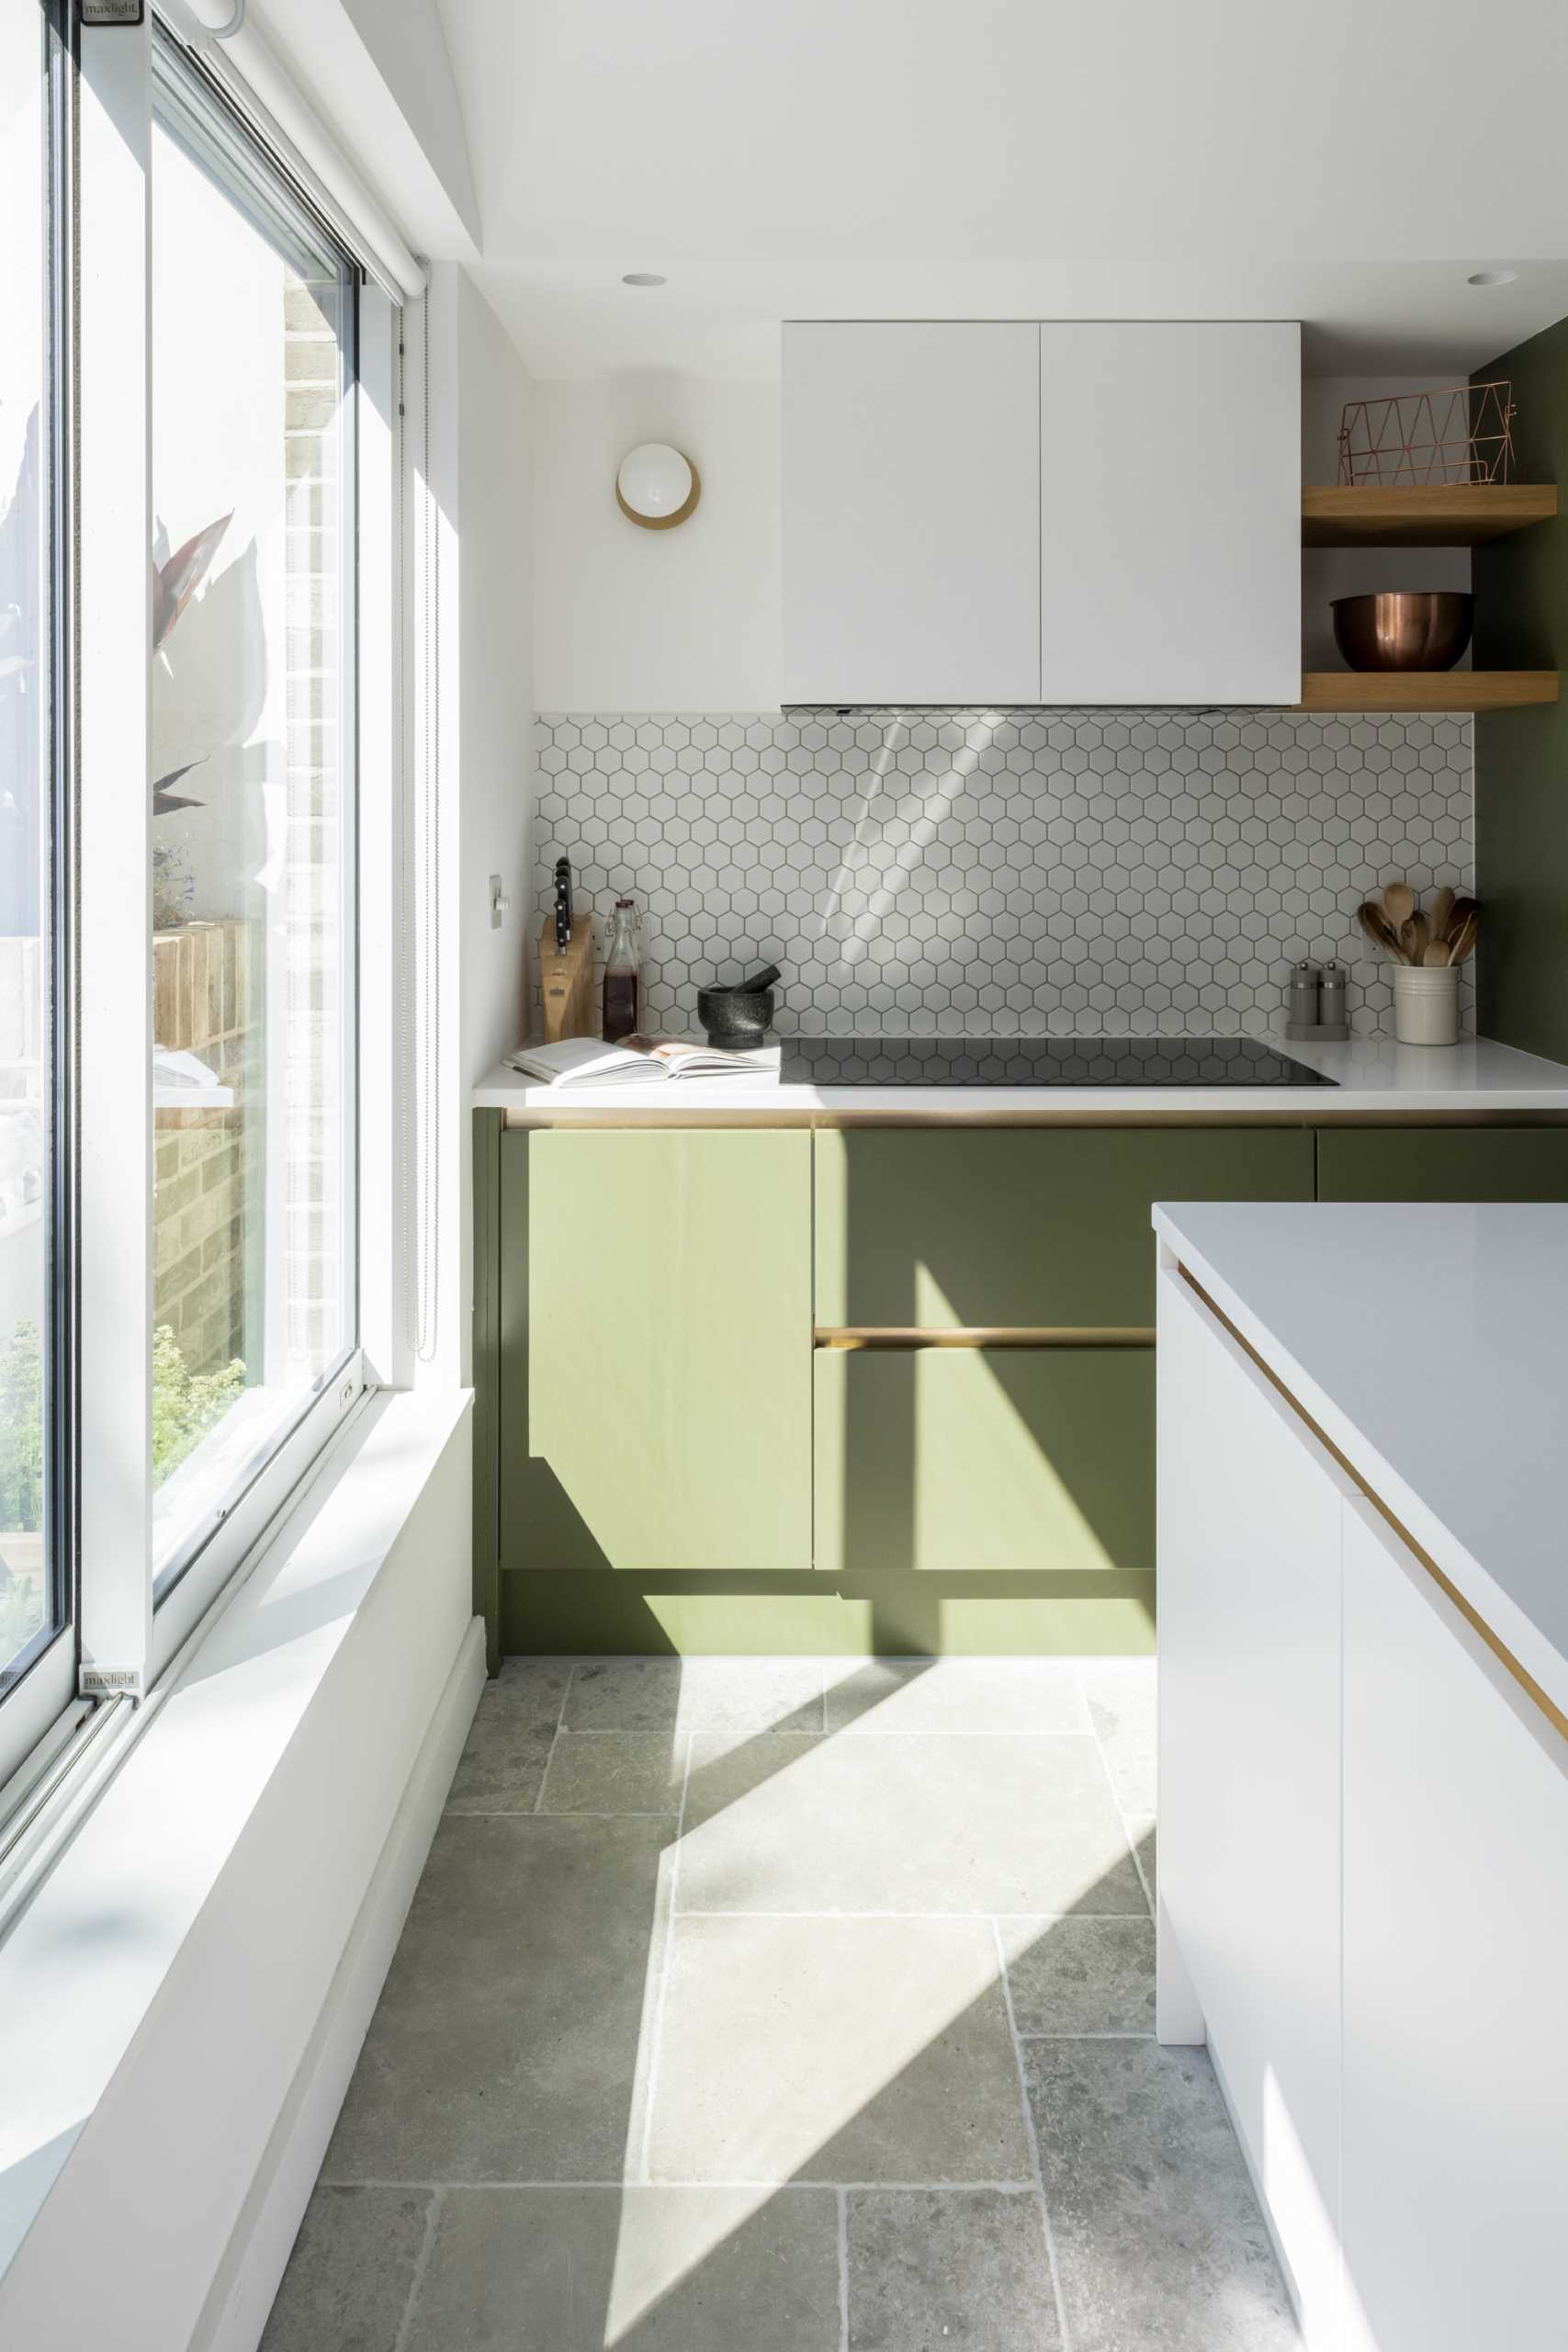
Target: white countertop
{"type": "Point", "coordinates": [1372, 1075]}
{"type": "Point", "coordinates": [1430, 1345]}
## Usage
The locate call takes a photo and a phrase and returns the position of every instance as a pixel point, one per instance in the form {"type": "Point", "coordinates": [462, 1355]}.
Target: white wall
{"type": "Point", "coordinates": [479, 461]}
{"type": "Point", "coordinates": [1327, 572]}
{"type": "Point", "coordinates": [496, 683]}
{"type": "Point", "coordinates": [629, 619]}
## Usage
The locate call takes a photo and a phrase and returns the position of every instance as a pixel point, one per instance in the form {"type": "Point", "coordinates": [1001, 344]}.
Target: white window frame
{"type": "Point", "coordinates": [42, 1699]}
{"type": "Point", "coordinates": [124, 1636]}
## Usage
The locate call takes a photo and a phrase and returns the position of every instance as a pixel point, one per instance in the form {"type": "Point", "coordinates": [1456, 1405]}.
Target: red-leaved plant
{"type": "Point", "coordinates": [173, 584]}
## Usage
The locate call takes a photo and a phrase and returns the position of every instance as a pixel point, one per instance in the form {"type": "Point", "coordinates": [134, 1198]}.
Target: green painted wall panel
{"type": "Point", "coordinates": [1442, 1164]}
{"type": "Point", "coordinates": [986, 1461]}
{"type": "Point", "coordinates": [1028, 1226]}
{"type": "Point", "coordinates": [656, 1408]}
{"type": "Point", "coordinates": [1521, 756]}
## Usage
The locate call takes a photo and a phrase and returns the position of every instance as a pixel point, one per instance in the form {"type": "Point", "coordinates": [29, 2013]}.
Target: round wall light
{"type": "Point", "coordinates": [1492, 278]}
{"type": "Point", "coordinates": [657, 487]}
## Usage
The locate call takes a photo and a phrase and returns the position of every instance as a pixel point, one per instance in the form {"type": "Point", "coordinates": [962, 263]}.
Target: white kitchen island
{"type": "Point", "coordinates": [1363, 1649]}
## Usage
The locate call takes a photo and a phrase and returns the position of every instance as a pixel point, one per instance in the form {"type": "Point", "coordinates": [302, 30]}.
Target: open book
{"type": "Point", "coordinates": [636, 1061]}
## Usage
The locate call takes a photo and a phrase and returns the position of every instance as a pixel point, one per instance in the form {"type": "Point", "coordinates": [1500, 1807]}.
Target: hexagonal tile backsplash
{"type": "Point", "coordinates": [960, 873]}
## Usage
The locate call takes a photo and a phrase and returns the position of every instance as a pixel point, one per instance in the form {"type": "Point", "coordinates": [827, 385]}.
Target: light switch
{"type": "Point", "coordinates": [500, 904]}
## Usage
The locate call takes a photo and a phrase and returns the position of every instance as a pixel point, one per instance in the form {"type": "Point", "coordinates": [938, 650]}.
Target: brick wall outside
{"type": "Point", "coordinates": [207, 1166]}
{"type": "Point", "coordinates": [314, 948]}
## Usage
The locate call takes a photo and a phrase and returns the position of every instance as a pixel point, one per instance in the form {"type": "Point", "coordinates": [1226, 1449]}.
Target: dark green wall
{"type": "Point", "coordinates": [1521, 756]}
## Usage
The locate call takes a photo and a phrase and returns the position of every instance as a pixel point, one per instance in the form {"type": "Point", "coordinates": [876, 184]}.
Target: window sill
{"type": "Point", "coordinates": [92, 1958]}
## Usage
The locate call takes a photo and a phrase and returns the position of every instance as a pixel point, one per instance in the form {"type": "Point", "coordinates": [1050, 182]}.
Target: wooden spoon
{"type": "Point", "coordinates": [1398, 905]}
{"type": "Point", "coordinates": [1374, 923]}
{"type": "Point", "coordinates": [1438, 954]}
{"type": "Point", "coordinates": [1442, 910]}
{"type": "Point", "coordinates": [1462, 944]}
{"type": "Point", "coordinates": [1415, 937]}
{"type": "Point", "coordinates": [1460, 914]}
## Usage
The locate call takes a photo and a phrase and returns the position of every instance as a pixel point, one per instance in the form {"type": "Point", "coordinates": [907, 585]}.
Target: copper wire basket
{"type": "Point", "coordinates": [1457, 434]}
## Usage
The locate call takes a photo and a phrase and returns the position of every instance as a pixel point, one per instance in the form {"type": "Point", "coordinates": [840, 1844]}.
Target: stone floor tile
{"type": "Point", "coordinates": [509, 1741]}
{"type": "Point", "coordinates": [347, 2283]}
{"type": "Point", "coordinates": [1122, 1705]}
{"type": "Point", "coordinates": [1081, 1975]}
{"type": "Point", "coordinates": [614, 1771]}
{"type": "Point", "coordinates": [623, 1694]}
{"type": "Point", "coordinates": [752, 1695]}
{"type": "Point", "coordinates": [505, 2043]}
{"type": "Point", "coordinates": [1143, 1832]}
{"type": "Point", "coordinates": [643, 2270]}
{"type": "Point", "coordinates": [713, 1694]}
{"type": "Point", "coordinates": [914, 1823]}
{"type": "Point", "coordinates": [1157, 2233]}
{"type": "Point", "coordinates": [934, 2268]}
{"type": "Point", "coordinates": [955, 1694]}
{"type": "Point", "coordinates": [849, 2050]}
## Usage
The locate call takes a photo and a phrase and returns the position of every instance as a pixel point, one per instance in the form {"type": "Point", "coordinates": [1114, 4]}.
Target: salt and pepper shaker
{"type": "Point", "coordinates": [1316, 1007]}
{"type": "Point", "coordinates": [1306, 979]}
{"type": "Point", "coordinates": [1333, 1005]}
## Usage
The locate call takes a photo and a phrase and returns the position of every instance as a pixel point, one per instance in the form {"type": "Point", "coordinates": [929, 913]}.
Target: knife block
{"type": "Point", "coordinates": [566, 982]}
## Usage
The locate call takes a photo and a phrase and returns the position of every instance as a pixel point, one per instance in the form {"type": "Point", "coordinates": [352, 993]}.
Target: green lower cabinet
{"type": "Point", "coordinates": [1033, 1227]}
{"type": "Point", "coordinates": [987, 1461]}
{"type": "Point", "coordinates": [655, 1350]}
{"type": "Point", "coordinates": [1442, 1164]}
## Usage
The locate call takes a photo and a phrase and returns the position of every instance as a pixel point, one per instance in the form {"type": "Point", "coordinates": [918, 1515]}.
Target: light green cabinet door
{"type": "Point", "coordinates": [1033, 1227]}
{"type": "Point", "coordinates": [1442, 1164]}
{"type": "Point", "coordinates": [656, 1395]}
{"type": "Point", "coordinates": [1005, 1460]}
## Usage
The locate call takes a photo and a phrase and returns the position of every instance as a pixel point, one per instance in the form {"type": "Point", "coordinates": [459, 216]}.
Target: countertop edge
{"type": "Point", "coordinates": [1497, 1609]}
{"type": "Point", "coordinates": [1374, 1080]}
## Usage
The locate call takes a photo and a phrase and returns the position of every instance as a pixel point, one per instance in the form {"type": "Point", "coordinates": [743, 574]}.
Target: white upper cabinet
{"type": "Point", "coordinates": [996, 513]}
{"type": "Point", "coordinates": [911, 513]}
{"type": "Point", "coordinates": [1170, 497]}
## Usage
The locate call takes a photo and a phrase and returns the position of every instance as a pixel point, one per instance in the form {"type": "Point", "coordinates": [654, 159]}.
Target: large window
{"type": "Point", "coordinates": [179, 1252]}
{"type": "Point", "coordinates": [34, 1563]}
{"type": "Point", "coordinates": [253, 1293]}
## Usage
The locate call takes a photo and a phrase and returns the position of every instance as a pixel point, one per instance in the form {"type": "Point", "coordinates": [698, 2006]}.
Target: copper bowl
{"type": "Point", "coordinates": [1407, 629]}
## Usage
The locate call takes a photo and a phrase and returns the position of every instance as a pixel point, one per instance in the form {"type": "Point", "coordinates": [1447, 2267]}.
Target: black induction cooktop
{"type": "Point", "coordinates": [1041, 1061]}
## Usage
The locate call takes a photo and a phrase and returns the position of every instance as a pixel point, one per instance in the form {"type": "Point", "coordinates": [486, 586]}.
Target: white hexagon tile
{"type": "Point", "coordinates": [1067, 873]}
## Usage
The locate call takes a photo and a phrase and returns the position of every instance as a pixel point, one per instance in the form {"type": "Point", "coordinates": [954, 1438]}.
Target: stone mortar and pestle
{"type": "Point", "coordinates": [740, 1016]}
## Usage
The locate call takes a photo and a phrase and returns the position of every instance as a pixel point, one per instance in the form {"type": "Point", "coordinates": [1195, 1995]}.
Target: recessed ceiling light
{"type": "Point", "coordinates": [1492, 278]}
{"type": "Point", "coordinates": [644, 277]}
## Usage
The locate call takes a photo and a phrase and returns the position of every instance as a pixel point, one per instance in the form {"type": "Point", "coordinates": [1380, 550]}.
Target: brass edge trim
{"type": "Point", "coordinates": [1445, 1584]}
{"type": "Point", "coordinates": [844, 1336]}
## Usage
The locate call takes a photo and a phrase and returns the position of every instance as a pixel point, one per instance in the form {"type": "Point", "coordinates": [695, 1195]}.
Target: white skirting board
{"type": "Point", "coordinates": [258, 2253]}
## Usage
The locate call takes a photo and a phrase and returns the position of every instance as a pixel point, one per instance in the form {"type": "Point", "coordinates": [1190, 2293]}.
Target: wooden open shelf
{"type": "Point", "coordinates": [1456, 515]}
{"type": "Point", "coordinates": [1380, 690]}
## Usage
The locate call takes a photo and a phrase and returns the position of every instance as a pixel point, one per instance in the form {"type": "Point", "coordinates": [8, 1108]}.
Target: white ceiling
{"type": "Point", "coordinates": [1344, 161]}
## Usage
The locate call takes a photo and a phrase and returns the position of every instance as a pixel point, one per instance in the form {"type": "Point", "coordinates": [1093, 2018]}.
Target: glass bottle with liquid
{"type": "Point", "coordinates": [623, 972]}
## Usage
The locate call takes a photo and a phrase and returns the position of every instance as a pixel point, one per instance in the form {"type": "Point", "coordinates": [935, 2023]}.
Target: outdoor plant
{"type": "Point", "coordinates": [185, 1404]}
{"type": "Point", "coordinates": [21, 1431]}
